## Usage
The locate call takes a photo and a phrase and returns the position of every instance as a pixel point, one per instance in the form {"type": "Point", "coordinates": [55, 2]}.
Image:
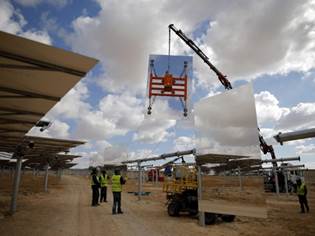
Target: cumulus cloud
{"type": "Point", "coordinates": [300, 116]}
{"type": "Point", "coordinates": [73, 104]}
{"type": "Point", "coordinates": [12, 21]}
{"type": "Point", "coordinates": [58, 129]}
{"type": "Point", "coordinates": [123, 35]}
{"type": "Point", "coordinates": [306, 149]}
{"type": "Point", "coordinates": [183, 143]}
{"type": "Point", "coordinates": [249, 38]}
{"type": "Point", "coordinates": [267, 107]}
{"type": "Point", "coordinates": [154, 131]}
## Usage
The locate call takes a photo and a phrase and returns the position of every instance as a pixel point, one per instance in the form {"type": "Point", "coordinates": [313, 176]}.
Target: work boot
{"type": "Point", "coordinates": [120, 212]}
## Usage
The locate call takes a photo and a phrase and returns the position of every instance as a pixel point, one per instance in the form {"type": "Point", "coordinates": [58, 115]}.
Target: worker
{"type": "Point", "coordinates": [168, 82]}
{"type": "Point", "coordinates": [302, 193]}
{"type": "Point", "coordinates": [117, 182]}
{"type": "Point", "coordinates": [95, 187]}
{"type": "Point", "coordinates": [103, 182]}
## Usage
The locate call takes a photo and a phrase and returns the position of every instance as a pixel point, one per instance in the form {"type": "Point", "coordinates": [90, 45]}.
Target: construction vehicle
{"type": "Point", "coordinates": [182, 192]}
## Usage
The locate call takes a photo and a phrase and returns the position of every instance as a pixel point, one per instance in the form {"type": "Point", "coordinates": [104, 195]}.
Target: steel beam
{"type": "Point", "coordinates": [27, 94]}
{"type": "Point", "coordinates": [15, 121]}
{"type": "Point", "coordinates": [290, 136]}
{"type": "Point", "coordinates": [10, 111]}
{"type": "Point", "coordinates": [282, 159]}
{"type": "Point", "coordinates": [41, 64]}
{"type": "Point", "coordinates": [161, 157]}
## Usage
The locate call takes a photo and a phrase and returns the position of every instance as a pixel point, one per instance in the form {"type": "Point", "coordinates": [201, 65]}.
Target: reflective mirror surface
{"type": "Point", "coordinates": [227, 124]}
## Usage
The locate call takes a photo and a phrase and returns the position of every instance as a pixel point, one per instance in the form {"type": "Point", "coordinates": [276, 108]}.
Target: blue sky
{"type": "Point", "coordinates": [266, 43]}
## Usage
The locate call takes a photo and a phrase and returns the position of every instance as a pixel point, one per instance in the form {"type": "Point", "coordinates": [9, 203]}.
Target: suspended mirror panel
{"type": "Point", "coordinates": [169, 87]}
{"type": "Point", "coordinates": [227, 149]}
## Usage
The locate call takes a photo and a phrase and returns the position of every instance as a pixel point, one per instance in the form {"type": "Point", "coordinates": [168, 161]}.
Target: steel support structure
{"type": "Point", "coordinates": [16, 184]}
{"type": "Point", "coordinates": [46, 178]}
{"type": "Point", "coordinates": [201, 213]}
{"type": "Point", "coordinates": [296, 135]}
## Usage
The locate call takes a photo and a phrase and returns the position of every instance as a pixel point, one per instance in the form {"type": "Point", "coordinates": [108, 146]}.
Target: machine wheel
{"type": "Point", "coordinates": [228, 218]}
{"type": "Point", "coordinates": [173, 209]}
{"type": "Point", "coordinates": [193, 212]}
{"type": "Point", "coordinates": [210, 218]}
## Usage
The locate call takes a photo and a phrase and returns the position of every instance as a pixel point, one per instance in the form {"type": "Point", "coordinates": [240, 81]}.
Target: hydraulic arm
{"type": "Point", "coordinates": [196, 49]}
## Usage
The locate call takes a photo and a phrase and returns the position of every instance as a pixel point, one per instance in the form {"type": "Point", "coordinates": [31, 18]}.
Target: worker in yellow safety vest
{"type": "Point", "coordinates": [301, 191]}
{"type": "Point", "coordinates": [95, 188]}
{"type": "Point", "coordinates": [103, 182]}
{"type": "Point", "coordinates": [117, 182]}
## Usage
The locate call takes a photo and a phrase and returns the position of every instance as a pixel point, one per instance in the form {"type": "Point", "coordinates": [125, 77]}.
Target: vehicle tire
{"type": "Point", "coordinates": [210, 218]}
{"type": "Point", "coordinates": [228, 218]}
{"type": "Point", "coordinates": [173, 209]}
{"type": "Point", "coordinates": [193, 212]}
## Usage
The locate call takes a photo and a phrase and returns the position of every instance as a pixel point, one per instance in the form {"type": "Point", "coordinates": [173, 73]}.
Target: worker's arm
{"type": "Point", "coordinates": [96, 181]}
{"type": "Point", "coordinates": [122, 180]}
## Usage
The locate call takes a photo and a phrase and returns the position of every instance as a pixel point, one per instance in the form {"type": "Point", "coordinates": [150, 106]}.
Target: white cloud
{"type": "Point", "coordinates": [126, 111]}
{"type": "Point", "coordinates": [123, 36]}
{"type": "Point", "coordinates": [251, 38]}
{"type": "Point", "coordinates": [12, 21]}
{"type": "Point", "coordinates": [183, 143]}
{"type": "Point", "coordinates": [40, 36]}
{"type": "Point", "coordinates": [306, 149]}
{"type": "Point", "coordinates": [115, 115]}
{"type": "Point", "coordinates": [58, 129]}
{"type": "Point", "coordinates": [267, 107]}
{"type": "Point", "coordinates": [154, 131]}
{"type": "Point", "coordinates": [300, 116]}
{"type": "Point", "coordinates": [73, 104]}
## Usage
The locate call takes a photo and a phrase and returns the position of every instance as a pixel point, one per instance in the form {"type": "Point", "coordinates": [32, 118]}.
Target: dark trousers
{"type": "Point", "coordinates": [103, 194]}
{"type": "Point", "coordinates": [303, 202]}
{"type": "Point", "coordinates": [116, 202]}
{"type": "Point", "coordinates": [95, 195]}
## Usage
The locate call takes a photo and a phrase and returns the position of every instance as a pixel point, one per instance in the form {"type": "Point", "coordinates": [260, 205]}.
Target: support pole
{"type": "Point", "coordinates": [139, 181]}
{"type": "Point", "coordinates": [201, 213]}
{"type": "Point", "coordinates": [46, 177]}
{"type": "Point", "coordinates": [274, 168]}
{"type": "Point", "coordinates": [16, 185]}
{"type": "Point", "coordinates": [156, 176]}
{"type": "Point", "coordinates": [240, 178]}
{"type": "Point", "coordinates": [286, 181]}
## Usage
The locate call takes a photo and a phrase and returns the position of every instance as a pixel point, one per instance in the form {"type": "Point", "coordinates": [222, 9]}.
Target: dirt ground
{"type": "Point", "coordinates": [66, 210]}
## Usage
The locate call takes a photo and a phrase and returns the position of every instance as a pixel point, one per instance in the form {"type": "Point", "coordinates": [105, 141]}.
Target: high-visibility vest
{"type": "Point", "coordinates": [301, 189]}
{"type": "Point", "coordinates": [92, 181]}
{"type": "Point", "coordinates": [103, 180]}
{"type": "Point", "coordinates": [168, 81]}
{"type": "Point", "coordinates": [116, 185]}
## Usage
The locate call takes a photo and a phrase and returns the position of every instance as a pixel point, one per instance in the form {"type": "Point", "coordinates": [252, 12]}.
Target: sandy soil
{"type": "Point", "coordinates": [66, 210]}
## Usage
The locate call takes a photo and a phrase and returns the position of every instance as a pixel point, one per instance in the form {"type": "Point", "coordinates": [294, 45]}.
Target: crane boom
{"type": "Point", "coordinates": [196, 49]}
{"type": "Point", "coordinates": [265, 148]}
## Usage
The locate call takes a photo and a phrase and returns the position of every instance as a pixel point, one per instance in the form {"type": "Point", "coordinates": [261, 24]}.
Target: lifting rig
{"type": "Point", "coordinates": [182, 195]}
